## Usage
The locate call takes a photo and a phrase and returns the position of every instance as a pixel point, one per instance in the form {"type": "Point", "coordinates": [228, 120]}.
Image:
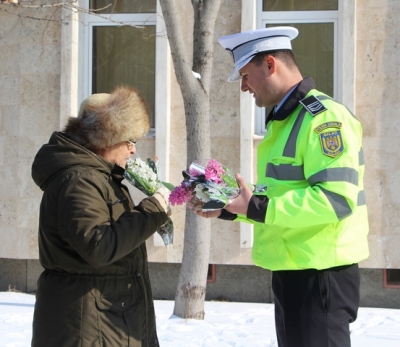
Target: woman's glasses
{"type": "Point", "coordinates": [131, 144]}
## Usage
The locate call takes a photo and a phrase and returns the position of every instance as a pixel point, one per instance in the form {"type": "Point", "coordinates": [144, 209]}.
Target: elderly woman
{"type": "Point", "coordinates": [95, 289]}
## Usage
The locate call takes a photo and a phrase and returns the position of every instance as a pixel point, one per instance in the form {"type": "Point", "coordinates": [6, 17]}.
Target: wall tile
{"type": "Point", "coordinates": [9, 65]}
{"type": "Point", "coordinates": [40, 59]}
{"type": "Point", "coordinates": [9, 90]}
{"type": "Point", "coordinates": [9, 29]}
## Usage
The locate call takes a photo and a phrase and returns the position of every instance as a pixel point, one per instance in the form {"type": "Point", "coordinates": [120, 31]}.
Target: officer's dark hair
{"type": "Point", "coordinates": [286, 56]}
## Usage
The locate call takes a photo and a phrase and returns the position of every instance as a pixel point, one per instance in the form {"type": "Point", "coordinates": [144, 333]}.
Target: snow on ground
{"type": "Point", "coordinates": [226, 324]}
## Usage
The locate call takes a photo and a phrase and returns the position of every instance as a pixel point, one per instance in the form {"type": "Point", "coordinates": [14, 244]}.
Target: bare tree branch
{"type": "Point", "coordinates": [179, 49]}
{"type": "Point", "coordinates": [68, 4]}
{"type": "Point", "coordinates": [205, 14]}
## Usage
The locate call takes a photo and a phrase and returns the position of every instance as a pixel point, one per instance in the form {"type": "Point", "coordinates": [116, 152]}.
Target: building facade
{"type": "Point", "coordinates": [51, 58]}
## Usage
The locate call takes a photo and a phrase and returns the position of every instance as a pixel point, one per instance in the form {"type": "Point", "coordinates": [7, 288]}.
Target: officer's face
{"type": "Point", "coordinates": [258, 81]}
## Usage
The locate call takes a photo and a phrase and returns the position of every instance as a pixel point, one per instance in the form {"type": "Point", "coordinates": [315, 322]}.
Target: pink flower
{"type": "Point", "coordinates": [214, 171]}
{"type": "Point", "coordinates": [180, 195]}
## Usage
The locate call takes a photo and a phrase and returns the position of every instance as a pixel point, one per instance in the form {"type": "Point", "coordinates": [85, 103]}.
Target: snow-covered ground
{"type": "Point", "coordinates": [226, 324]}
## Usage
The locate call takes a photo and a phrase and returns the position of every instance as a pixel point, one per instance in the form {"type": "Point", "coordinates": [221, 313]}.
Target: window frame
{"type": "Point", "coordinates": [320, 16]}
{"type": "Point", "coordinates": [386, 283]}
{"type": "Point", "coordinates": [249, 139]}
{"type": "Point", "coordinates": [76, 82]}
{"type": "Point", "coordinates": [211, 273]}
{"type": "Point", "coordinates": [111, 20]}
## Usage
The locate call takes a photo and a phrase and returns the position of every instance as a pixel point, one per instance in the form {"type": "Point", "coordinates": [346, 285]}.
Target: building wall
{"type": "Point", "coordinates": [32, 70]}
{"type": "Point", "coordinates": [29, 113]}
{"type": "Point", "coordinates": [238, 283]}
{"type": "Point", "coordinates": [377, 106]}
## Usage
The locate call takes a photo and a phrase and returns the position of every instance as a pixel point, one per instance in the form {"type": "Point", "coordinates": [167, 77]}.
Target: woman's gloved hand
{"type": "Point", "coordinates": [162, 195]}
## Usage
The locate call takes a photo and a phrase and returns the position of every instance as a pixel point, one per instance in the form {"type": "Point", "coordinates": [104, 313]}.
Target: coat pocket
{"type": "Point", "coordinates": [120, 318]}
{"type": "Point", "coordinates": [119, 302]}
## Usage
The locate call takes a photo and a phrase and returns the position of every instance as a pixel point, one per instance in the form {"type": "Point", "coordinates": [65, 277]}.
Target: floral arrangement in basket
{"type": "Point", "coordinates": [143, 176]}
{"type": "Point", "coordinates": [207, 188]}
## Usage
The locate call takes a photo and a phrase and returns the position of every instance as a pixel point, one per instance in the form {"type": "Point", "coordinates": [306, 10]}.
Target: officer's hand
{"type": "Point", "coordinates": [162, 195]}
{"type": "Point", "coordinates": [240, 204]}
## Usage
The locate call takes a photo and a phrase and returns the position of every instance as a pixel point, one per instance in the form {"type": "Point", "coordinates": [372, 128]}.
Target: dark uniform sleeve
{"type": "Point", "coordinates": [257, 208]}
{"type": "Point", "coordinates": [256, 211]}
{"type": "Point", "coordinates": [226, 215]}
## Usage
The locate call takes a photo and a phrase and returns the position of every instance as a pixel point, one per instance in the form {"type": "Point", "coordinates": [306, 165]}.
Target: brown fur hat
{"type": "Point", "coordinates": [107, 119]}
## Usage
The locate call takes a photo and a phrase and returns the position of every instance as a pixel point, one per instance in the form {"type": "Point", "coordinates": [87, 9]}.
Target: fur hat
{"type": "Point", "coordinates": [107, 119]}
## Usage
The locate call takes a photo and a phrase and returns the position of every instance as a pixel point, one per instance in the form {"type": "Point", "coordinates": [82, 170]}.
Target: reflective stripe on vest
{"type": "Point", "coordinates": [361, 157]}
{"type": "Point", "coordinates": [346, 174]}
{"type": "Point", "coordinates": [339, 204]}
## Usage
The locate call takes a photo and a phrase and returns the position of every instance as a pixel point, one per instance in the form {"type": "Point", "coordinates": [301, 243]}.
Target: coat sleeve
{"type": "Point", "coordinates": [86, 224]}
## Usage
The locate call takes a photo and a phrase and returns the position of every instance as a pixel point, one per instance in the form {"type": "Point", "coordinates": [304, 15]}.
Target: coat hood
{"type": "Point", "coordinates": [61, 153]}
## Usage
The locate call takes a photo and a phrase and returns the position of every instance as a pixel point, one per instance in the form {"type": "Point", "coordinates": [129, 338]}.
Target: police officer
{"type": "Point", "coordinates": [311, 225]}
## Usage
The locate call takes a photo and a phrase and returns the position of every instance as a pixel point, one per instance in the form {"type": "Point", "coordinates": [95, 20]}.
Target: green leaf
{"type": "Point", "coordinates": [168, 186]}
{"type": "Point", "coordinates": [152, 165]}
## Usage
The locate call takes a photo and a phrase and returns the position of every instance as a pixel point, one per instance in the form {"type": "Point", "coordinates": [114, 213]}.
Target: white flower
{"type": "Point", "coordinates": [201, 193]}
{"type": "Point", "coordinates": [144, 177]}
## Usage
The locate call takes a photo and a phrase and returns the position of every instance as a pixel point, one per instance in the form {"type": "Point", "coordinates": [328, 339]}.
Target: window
{"type": "Point", "coordinates": [211, 274]}
{"type": "Point", "coordinates": [124, 42]}
{"type": "Point", "coordinates": [316, 47]}
{"type": "Point", "coordinates": [391, 278]}
{"type": "Point", "coordinates": [119, 54]}
{"type": "Point", "coordinates": [304, 5]}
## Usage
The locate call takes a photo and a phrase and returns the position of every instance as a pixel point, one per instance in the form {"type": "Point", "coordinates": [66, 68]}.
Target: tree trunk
{"type": "Point", "coordinates": [191, 289]}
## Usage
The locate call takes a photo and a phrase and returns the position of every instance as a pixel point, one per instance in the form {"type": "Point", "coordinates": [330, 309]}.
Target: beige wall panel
{"type": "Point", "coordinates": [377, 106]}
{"type": "Point", "coordinates": [29, 113]}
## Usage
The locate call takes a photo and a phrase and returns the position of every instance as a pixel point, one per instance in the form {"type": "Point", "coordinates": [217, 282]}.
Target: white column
{"type": "Point", "coordinates": [69, 66]}
{"type": "Point", "coordinates": [347, 53]}
{"type": "Point", "coordinates": [247, 126]}
{"type": "Point", "coordinates": [163, 103]}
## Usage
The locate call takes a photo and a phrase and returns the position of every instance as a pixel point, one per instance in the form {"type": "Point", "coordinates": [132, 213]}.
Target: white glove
{"type": "Point", "coordinates": [162, 195]}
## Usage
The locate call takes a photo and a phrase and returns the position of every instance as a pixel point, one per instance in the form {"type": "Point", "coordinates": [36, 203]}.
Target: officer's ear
{"type": "Point", "coordinates": [271, 63]}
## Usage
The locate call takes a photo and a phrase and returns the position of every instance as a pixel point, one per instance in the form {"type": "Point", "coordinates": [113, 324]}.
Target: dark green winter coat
{"type": "Point", "coordinates": [95, 290]}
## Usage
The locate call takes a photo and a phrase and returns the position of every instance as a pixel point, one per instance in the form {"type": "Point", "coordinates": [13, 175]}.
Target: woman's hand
{"type": "Point", "coordinates": [208, 214]}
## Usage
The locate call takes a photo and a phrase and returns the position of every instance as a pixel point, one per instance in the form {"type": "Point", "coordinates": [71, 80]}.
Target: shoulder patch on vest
{"type": "Point", "coordinates": [313, 105]}
{"type": "Point", "coordinates": [331, 143]}
{"type": "Point", "coordinates": [327, 125]}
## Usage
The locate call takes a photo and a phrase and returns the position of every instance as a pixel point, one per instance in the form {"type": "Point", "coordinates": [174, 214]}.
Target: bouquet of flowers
{"type": "Point", "coordinates": [207, 188]}
{"type": "Point", "coordinates": [143, 176]}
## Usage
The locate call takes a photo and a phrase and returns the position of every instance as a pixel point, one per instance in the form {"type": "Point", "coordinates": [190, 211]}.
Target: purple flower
{"type": "Point", "coordinates": [180, 195]}
{"type": "Point", "coordinates": [214, 171]}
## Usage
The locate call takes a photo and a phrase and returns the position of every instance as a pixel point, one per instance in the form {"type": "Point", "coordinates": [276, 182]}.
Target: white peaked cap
{"type": "Point", "coordinates": [244, 46]}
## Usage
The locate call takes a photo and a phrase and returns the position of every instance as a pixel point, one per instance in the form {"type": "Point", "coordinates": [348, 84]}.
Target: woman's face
{"type": "Point", "coordinates": [119, 153]}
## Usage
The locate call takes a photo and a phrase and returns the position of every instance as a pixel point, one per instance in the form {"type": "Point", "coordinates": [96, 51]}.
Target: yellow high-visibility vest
{"type": "Point", "coordinates": [313, 166]}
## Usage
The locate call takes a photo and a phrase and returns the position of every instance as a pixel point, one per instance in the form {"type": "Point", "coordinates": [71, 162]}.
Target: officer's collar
{"type": "Point", "coordinates": [298, 93]}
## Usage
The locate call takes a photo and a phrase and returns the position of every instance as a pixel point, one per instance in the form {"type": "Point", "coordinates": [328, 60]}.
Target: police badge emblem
{"type": "Point", "coordinates": [331, 141]}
